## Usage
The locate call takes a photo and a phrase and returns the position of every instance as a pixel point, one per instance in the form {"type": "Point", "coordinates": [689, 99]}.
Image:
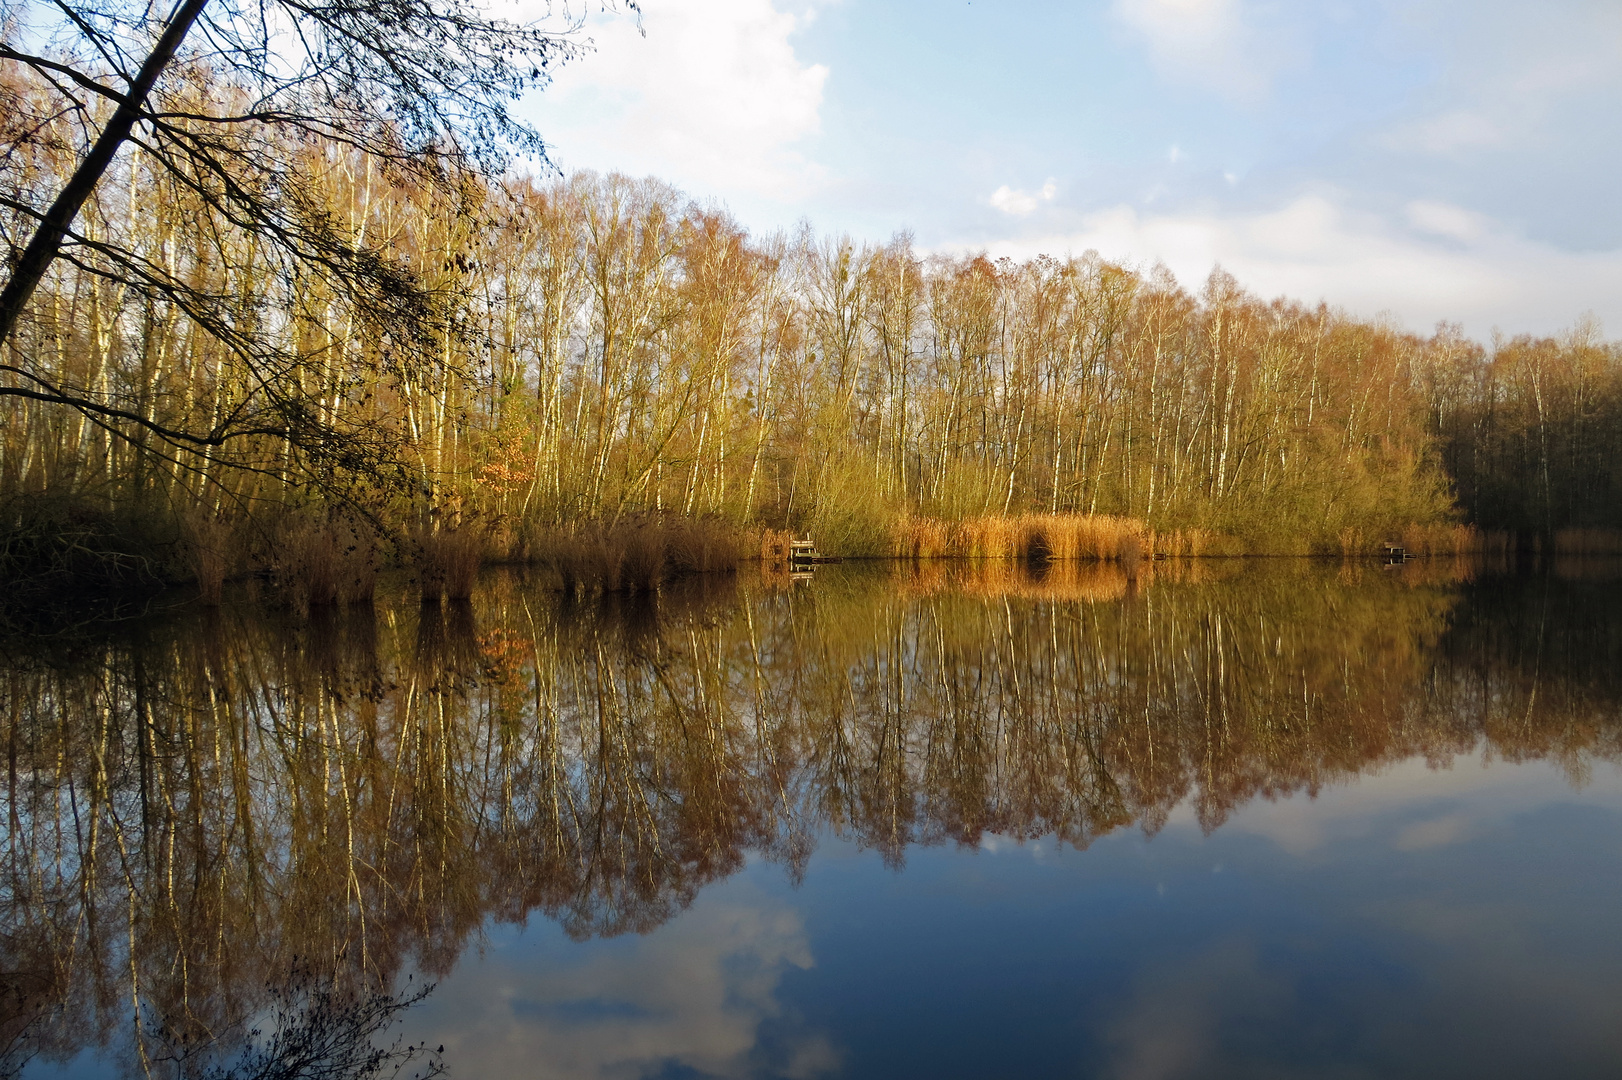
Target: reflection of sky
{"type": "Point", "coordinates": [1417, 923]}
{"type": "Point", "coordinates": [691, 997]}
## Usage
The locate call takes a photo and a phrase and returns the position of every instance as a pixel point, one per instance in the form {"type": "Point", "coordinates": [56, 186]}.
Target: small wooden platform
{"type": "Point", "coordinates": [804, 553]}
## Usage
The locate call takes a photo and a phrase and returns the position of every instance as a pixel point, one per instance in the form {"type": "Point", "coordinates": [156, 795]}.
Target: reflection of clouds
{"type": "Point", "coordinates": [1433, 833]}
{"type": "Point", "coordinates": [690, 998]}
{"type": "Point", "coordinates": [1403, 801]}
{"type": "Point", "coordinates": [1389, 957]}
{"type": "Point", "coordinates": [1172, 1025]}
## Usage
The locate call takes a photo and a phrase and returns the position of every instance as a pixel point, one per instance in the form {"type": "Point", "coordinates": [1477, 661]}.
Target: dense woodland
{"type": "Point", "coordinates": [600, 349]}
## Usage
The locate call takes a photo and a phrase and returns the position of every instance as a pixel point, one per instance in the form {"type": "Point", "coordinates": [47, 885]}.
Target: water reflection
{"type": "Point", "coordinates": [692, 1000]}
{"type": "Point", "coordinates": [195, 803]}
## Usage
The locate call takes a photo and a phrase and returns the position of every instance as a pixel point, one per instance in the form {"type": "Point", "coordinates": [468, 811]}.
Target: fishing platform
{"type": "Point", "coordinates": [804, 553]}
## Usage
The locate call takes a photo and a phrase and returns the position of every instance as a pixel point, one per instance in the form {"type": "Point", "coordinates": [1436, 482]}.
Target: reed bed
{"type": "Point", "coordinates": [1588, 542]}
{"type": "Point", "coordinates": [1431, 540]}
{"type": "Point", "coordinates": [208, 546]}
{"type": "Point", "coordinates": [322, 563]}
{"type": "Point", "coordinates": [637, 554]}
{"type": "Point", "coordinates": [448, 561]}
{"type": "Point", "coordinates": [1051, 538]}
{"type": "Point", "coordinates": [774, 547]}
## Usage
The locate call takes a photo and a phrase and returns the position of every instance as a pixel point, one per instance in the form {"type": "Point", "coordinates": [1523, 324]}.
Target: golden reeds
{"type": "Point", "coordinates": [1036, 538]}
{"type": "Point", "coordinates": [208, 541]}
{"type": "Point", "coordinates": [1441, 539]}
{"type": "Point", "coordinates": [638, 553]}
{"type": "Point", "coordinates": [318, 564]}
{"type": "Point", "coordinates": [774, 546]}
{"type": "Point", "coordinates": [448, 562]}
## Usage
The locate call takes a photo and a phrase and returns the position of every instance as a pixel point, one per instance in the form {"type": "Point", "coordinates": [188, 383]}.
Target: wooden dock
{"type": "Point", "coordinates": [804, 553]}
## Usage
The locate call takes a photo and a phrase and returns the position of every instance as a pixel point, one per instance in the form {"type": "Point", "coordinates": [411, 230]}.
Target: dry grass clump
{"type": "Point", "coordinates": [1439, 539]}
{"type": "Point", "coordinates": [701, 545]}
{"type": "Point", "coordinates": [921, 538]}
{"type": "Point", "coordinates": [1195, 544]}
{"type": "Point", "coordinates": [987, 538]}
{"type": "Point", "coordinates": [448, 562]}
{"type": "Point", "coordinates": [1095, 537]}
{"type": "Point", "coordinates": [637, 554]}
{"type": "Point", "coordinates": [1588, 542]}
{"type": "Point", "coordinates": [318, 564]}
{"type": "Point", "coordinates": [774, 546]}
{"type": "Point", "coordinates": [208, 546]}
{"type": "Point", "coordinates": [1032, 537]}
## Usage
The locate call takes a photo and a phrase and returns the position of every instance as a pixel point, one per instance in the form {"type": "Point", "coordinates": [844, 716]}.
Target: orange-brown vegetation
{"type": "Point", "coordinates": [208, 554]}
{"type": "Point", "coordinates": [321, 563]}
{"type": "Point", "coordinates": [1588, 542]}
{"type": "Point", "coordinates": [639, 553]}
{"type": "Point", "coordinates": [447, 561]}
{"type": "Point", "coordinates": [1050, 538]}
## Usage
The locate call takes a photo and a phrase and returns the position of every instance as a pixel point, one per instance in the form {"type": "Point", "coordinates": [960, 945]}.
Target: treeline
{"type": "Point", "coordinates": [1531, 432]}
{"type": "Point", "coordinates": [194, 805]}
{"type": "Point", "coordinates": [599, 347]}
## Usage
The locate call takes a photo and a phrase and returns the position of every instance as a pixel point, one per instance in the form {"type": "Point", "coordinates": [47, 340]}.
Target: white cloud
{"type": "Point", "coordinates": [1443, 219]}
{"type": "Point", "coordinates": [711, 97]}
{"type": "Point", "coordinates": [1512, 72]}
{"type": "Point", "coordinates": [1020, 203]}
{"type": "Point", "coordinates": [1216, 43]}
{"type": "Point", "coordinates": [1441, 263]}
{"type": "Point", "coordinates": [1448, 133]}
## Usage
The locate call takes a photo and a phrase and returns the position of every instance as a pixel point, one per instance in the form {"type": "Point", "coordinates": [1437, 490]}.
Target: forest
{"type": "Point", "coordinates": [539, 358]}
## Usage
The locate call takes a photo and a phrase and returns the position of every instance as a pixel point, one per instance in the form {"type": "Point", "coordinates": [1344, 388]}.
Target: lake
{"type": "Point", "coordinates": [1224, 818]}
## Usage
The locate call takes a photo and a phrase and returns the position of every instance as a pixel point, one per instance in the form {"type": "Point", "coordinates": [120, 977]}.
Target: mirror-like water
{"type": "Point", "coordinates": [1225, 819]}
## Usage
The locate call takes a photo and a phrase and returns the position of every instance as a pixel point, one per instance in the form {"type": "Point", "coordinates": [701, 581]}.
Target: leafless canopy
{"type": "Point", "coordinates": [225, 101]}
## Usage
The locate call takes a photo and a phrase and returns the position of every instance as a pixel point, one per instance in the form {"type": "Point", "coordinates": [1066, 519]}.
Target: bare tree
{"type": "Point", "coordinates": [229, 101]}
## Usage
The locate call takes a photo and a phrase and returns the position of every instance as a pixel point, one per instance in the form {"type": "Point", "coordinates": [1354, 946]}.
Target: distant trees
{"type": "Point", "coordinates": [529, 354]}
{"type": "Point", "coordinates": [1531, 432]}
{"type": "Point", "coordinates": [824, 383]}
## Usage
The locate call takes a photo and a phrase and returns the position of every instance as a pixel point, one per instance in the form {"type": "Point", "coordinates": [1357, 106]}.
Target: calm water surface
{"type": "Point", "coordinates": [1269, 819]}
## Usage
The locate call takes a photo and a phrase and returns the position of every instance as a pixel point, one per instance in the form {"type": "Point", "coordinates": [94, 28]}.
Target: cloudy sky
{"type": "Point", "coordinates": [1429, 159]}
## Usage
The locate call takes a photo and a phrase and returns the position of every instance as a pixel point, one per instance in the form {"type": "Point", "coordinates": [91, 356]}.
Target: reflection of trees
{"type": "Point", "coordinates": [193, 806]}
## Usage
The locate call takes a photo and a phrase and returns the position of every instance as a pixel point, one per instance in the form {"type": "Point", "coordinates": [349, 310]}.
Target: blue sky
{"type": "Point", "coordinates": [1424, 160]}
